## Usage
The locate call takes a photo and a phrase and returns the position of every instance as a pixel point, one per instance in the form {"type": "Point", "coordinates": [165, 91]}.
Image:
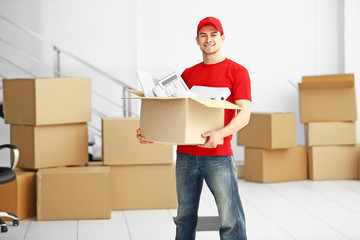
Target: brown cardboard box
{"type": "Point", "coordinates": [269, 130]}
{"type": "Point", "coordinates": [327, 98]}
{"type": "Point", "coordinates": [73, 193]}
{"type": "Point", "coordinates": [45, 101]}
{"type": "Point", "coordinates": [50, 145]}
{"type": "Point", "coordinates": [175, 120]}
{"type": "Point", "coordinates": [331, 133]}
{"type": "Point", "coordinates": [18, 197]}
{"type": "Point", "coordinates": [334, 162]}
{"type": "Point", "coordinates": [143, 187]}
{"type": "Point", "coordinates": [275, 165]}
{"type": "Point", "coordinates": [121, 147]}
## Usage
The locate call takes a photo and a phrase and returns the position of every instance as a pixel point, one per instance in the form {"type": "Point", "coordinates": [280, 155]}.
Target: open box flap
{"type": "Point", "coordinates": [136, 92]}
{"type": "Point", "coordinates": [207, 102]}
{"type": "Point", "coordinates": [327, 84]}
{"type": "Point", "coordinates": [329, 78]}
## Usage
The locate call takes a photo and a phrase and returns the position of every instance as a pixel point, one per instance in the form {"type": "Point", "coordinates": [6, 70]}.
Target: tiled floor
{"type": "Point", "coordinates": [302, 210]}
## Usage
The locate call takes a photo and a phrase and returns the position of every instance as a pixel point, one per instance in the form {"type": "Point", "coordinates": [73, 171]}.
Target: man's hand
{"type": "Point", "coordinates": [213, 139]}
{"type": "Point", "coordinates": [141, 138]}
{"type": "Point", "coordinates": [238, 122]}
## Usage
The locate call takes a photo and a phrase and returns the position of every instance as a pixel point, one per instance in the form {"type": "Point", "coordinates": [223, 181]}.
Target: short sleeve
{"type": "Point", "coordinates": [241, 84]}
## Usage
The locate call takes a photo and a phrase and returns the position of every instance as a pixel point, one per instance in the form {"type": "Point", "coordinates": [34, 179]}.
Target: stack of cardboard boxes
{"type": "Point", "coordinates": [328, 109]}
{"type": "Point", "coordinates": [48, 118]}
{"type": "Point", "coordinates": [271, 154]}
{"type": "Point", "coordinates": [142, 175]}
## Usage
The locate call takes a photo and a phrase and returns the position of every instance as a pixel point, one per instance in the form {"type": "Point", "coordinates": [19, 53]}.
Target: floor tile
{"type": "Point", "coordinates": [52, 229]}
{"type": "Point", "coordinates": [16, 231]}
{"type": "Point", "coordinates": [300, 210]}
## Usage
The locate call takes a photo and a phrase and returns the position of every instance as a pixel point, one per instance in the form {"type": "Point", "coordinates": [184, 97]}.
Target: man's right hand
{"type": "Point", "coordinates": [141, 138]}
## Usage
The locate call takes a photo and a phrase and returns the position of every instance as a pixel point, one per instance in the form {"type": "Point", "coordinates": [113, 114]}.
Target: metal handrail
{"type": "Point", "coordinates": [114, 103]}
{"type": "Point", "coordinates": [94, 130]}
{"type": "Point", "coordinates": [114, 79]}
{"type": "Point", "coordinates": [97, 113]}
{"type": "Point", "coordinates": [30, 57]}
{"type": "Point", "coordinates": [12, 64]}
{"type": "Point", "coordinates": [38, 36]}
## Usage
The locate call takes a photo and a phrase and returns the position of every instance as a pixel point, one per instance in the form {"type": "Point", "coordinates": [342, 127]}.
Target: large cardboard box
{"type": "Point", "coordinates": [275, 165]}
{"type": "Point", "coordinates": [73, 193]}
{"type": "Point", "coordinates": [269, 130]}
{"type": "Point", "coordinates": [19, 196]}
{"type": "Point", "coordinates": [50, 145]}
{"type": "Point", "coordinates": [44, 101]}
{"type": "Point", "coordinates": [143, 187]}
{"type": "Point", "coordinates": [180, 121]}
{"type": "Point", "coordinates": [331, 133]}
{"type": "Point", "coordinates": [327, 98]}
{"type": "Point", "coordinates": [121, 147]}
{"type": "Point", "coordinates": [334, 162]}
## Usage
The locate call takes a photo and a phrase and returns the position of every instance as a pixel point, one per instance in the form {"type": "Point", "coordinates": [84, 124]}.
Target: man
{"type": "Point", "coordinates": [209, 161]}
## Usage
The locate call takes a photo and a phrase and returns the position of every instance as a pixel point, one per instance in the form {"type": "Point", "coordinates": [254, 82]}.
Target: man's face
{"type": "Point", "coordinates": [209, 39]}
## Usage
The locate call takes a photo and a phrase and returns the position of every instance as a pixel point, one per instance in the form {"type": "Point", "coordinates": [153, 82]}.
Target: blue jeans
{"type": "Point", "coordinates": [219, 173]}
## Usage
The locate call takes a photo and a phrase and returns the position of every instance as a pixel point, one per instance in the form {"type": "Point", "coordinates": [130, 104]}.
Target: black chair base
{"type": "Point", "coordinates": [13, 217]}
{"type": "Point", "coordinates": [7, 175]}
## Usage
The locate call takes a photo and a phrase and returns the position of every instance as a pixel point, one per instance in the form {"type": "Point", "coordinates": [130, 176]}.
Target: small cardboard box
{"type": "Point", "coordinates": [143, 187]}
{"type": "Point", "coordinates": [269, 130]}
{"type": "Point", "coordinates": [73, 193]}
{"type": "Point", "coordinates": [180, 121]}
{"type": "Point", "coordinates": [45, 101]}
{"type": "Point", "coordinates": [327, 98]}
{"type": "Point", "coordinates": [334, 162]}
{"type": "Point", "coordinates": [275, 165]}
{"type": "Point", "coordinates": [19, 197]}
{"type": "Point", "coordinates": [50, 145]}
{"type": "Point", "coordinates": [121, 147]}
{"type": "Point", "coordinates": [331, 133]}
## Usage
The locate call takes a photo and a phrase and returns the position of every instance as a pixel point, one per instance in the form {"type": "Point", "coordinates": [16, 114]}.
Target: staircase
{"type": "Point", "coordinates": [18, 63]}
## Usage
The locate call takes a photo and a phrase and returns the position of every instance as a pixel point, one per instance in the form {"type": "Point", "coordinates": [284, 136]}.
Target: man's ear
{"type": "Point", "coordinates": [223, 37]}
{"type": "Point", "coordinates": [197, 40]}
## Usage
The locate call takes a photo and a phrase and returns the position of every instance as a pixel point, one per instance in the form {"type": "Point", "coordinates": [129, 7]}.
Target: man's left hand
{"type": "Point", "coordinates": [213, 139]}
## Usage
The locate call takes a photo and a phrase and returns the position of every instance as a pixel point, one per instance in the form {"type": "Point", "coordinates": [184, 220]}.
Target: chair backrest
{"type": "Point", "coordinates": [16, 154]}
{"type": "Point", "coordinates": [7, 174]}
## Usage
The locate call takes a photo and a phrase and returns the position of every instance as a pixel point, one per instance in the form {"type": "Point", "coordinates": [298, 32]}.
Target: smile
{"type": "Point", "coordinates": [209, 45]}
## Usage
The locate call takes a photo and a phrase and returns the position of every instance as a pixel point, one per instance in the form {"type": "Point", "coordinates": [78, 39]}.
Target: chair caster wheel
{"type": "Point", "coordinates": [15, 222]}
{"type": "Point", "coordinates": [4, 229]}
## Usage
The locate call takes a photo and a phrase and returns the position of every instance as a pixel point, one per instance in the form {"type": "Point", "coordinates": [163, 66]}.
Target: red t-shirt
{"type": "Point", "coordinates": [223, 74]}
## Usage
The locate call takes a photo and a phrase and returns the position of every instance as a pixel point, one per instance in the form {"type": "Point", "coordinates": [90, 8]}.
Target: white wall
{"type": "Point", "coordinates": [352, 49]}
{"type": "Point", "coordinates": [279, 41]}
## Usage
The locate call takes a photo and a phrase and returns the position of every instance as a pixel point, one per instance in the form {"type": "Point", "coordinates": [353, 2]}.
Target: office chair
{"type": "Point", "coordinates": [7, 174]}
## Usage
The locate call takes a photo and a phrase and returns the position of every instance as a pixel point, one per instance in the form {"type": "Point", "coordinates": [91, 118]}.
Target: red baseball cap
{"type": "Point", "coordinates": [211, 21]}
